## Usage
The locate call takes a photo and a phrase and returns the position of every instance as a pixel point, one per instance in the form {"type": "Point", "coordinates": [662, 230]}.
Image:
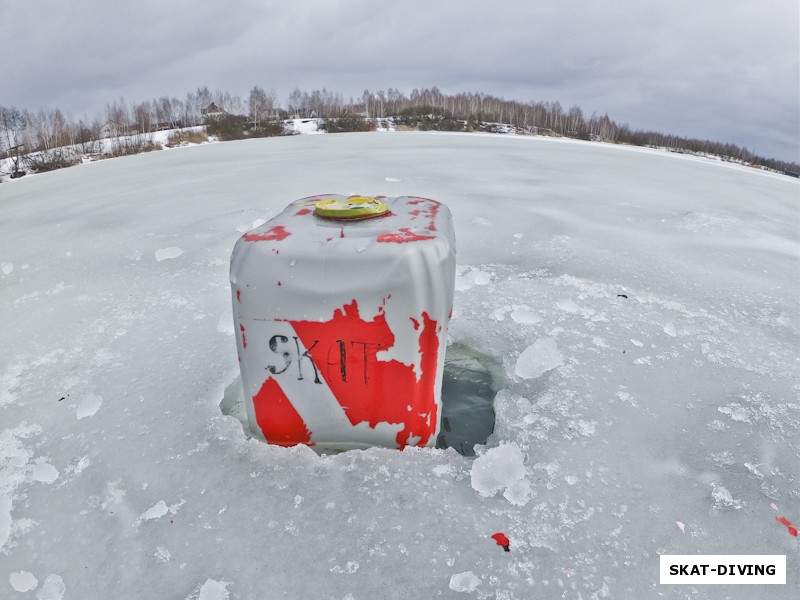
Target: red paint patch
{"type": "Point", "coordinates": [372, 390]}
{"type": "Point", "coordinates": [502, 540]}
{"type": "Point", "coordinates": [430, 212]}
{"type": "Point", "coordinates": [303, 211]}
{"type": "Point", "coordinates": [244, 339]}
{"type": "Point", "coordinates": [415, 322]}
{"type": "Point", "coordinates": [239, 295]}
{"type": "Point", "coordinates": [276, 234]}
{"type": "Point", "coordinates": [784, 521]}
{"type": "Point", "coordinates": [277, 418]}
{"type": "Point", "coordinates": [403, 236]}
{"type": "Point", "coordinates": [342, 233]}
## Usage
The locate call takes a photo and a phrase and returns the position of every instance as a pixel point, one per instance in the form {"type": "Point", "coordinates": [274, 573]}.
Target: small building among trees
{"type": "Point", "coordinates": [212, 111]}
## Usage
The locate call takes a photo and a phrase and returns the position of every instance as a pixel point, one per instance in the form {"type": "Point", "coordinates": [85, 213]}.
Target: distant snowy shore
{"type": "Point", "coordinates": [104, 148]}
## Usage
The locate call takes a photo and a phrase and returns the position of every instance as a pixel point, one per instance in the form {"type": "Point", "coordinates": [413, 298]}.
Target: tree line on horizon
{"type": "Point", "coordinates": [47, 139]}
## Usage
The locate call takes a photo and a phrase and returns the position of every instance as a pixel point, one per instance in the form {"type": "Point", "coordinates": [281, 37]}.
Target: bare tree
{"type": "Point", "coordinates": [234, 105]}
{"type": "Point", "coordinates": [204, 97]}
{"type": "Point", "coordinates": [257, 103]}
{"type": "Point", "coordinates": [298, 103]}
{"type": "Point", "coordinates": [13, 123]}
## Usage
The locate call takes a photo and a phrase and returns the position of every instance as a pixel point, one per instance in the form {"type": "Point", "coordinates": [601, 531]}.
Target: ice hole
{"type": "Point", "coordinates": [468, 389]}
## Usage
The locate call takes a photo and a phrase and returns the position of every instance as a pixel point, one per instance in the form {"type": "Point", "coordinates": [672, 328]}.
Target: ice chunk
{"type": "Point", "coordinates": [568, 305]}
{"type": "Point", "coordinates": [211, 590]}
{"type": "Point", "coordinates": [464, 582]}
{"type": "Point", "coordinates": [23, 581]}
{"type": "Point", "coordinates": [7, 268]}
{"type": "Point", "coordinates": [542, 356]}
{"type": "Point", "coordinates": [519, 493]}
{"type": "Point", "coordinates": [669, 329]}
{"type": "Point", "coordinates": [158, 510]}
{"type": "Point", "coordinates": [167, 253]}
{"type": "Point", "coordinates": [88, 406]}
{"type": "Point", "coordinates": [525, 316]}
{"type": "Point", "coordinates": [499, 469]}
{"type": "Point", "coordinates": [53, 588]}
{"type": "Point", "coordinates": [45, 473]}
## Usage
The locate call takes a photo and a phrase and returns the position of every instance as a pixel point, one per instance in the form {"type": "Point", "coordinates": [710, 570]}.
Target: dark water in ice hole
{"type": "Point", "coordinates": [468, 387]}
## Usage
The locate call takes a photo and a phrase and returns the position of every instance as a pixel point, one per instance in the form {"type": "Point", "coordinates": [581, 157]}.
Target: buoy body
{"type": "Point", "coordinates": [341, 324]}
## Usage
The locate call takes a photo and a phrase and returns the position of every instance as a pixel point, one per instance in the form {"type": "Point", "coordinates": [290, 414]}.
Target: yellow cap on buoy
{"type": "Point", "coordinates": [357, 207]}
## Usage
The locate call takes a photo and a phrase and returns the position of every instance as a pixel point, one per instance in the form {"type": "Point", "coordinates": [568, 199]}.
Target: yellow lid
{"type": "Point", "coordinates": [357, 207]}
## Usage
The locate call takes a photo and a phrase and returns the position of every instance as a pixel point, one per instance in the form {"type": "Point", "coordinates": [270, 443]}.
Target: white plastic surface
{"type": "Point", "coordinates": [342, 325]}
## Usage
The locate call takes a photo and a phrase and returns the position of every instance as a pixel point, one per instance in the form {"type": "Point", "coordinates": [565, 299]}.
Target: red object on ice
{"type": "Point", "coordinates": [502, 540]}
{"type": "Point", "coordinates": [784, 521]}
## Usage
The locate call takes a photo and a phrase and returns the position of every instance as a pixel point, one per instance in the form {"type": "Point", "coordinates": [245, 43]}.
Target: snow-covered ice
{"type": "Point", "coordinates": [643, 311]}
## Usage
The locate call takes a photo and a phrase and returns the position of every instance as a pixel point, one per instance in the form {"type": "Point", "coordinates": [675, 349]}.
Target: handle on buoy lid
{"type": "Point", "coordinates": [357, 207]}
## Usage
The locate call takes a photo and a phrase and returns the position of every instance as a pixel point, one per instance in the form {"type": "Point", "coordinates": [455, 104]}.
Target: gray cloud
{"type": "Point", "coordinates": [715, 69]}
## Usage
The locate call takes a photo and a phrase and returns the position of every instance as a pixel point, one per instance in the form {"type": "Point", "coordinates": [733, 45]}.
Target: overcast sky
{"type": "Point", "coordinates": [727, 70]}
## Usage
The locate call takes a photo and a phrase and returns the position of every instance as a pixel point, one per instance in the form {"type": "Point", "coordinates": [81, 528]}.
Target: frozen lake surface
{"type": "Point", "coordinates": [642, 311]}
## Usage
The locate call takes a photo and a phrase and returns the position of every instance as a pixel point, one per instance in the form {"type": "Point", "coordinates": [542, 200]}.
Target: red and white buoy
{"type": "Point", "coordinates": [341, 307]}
